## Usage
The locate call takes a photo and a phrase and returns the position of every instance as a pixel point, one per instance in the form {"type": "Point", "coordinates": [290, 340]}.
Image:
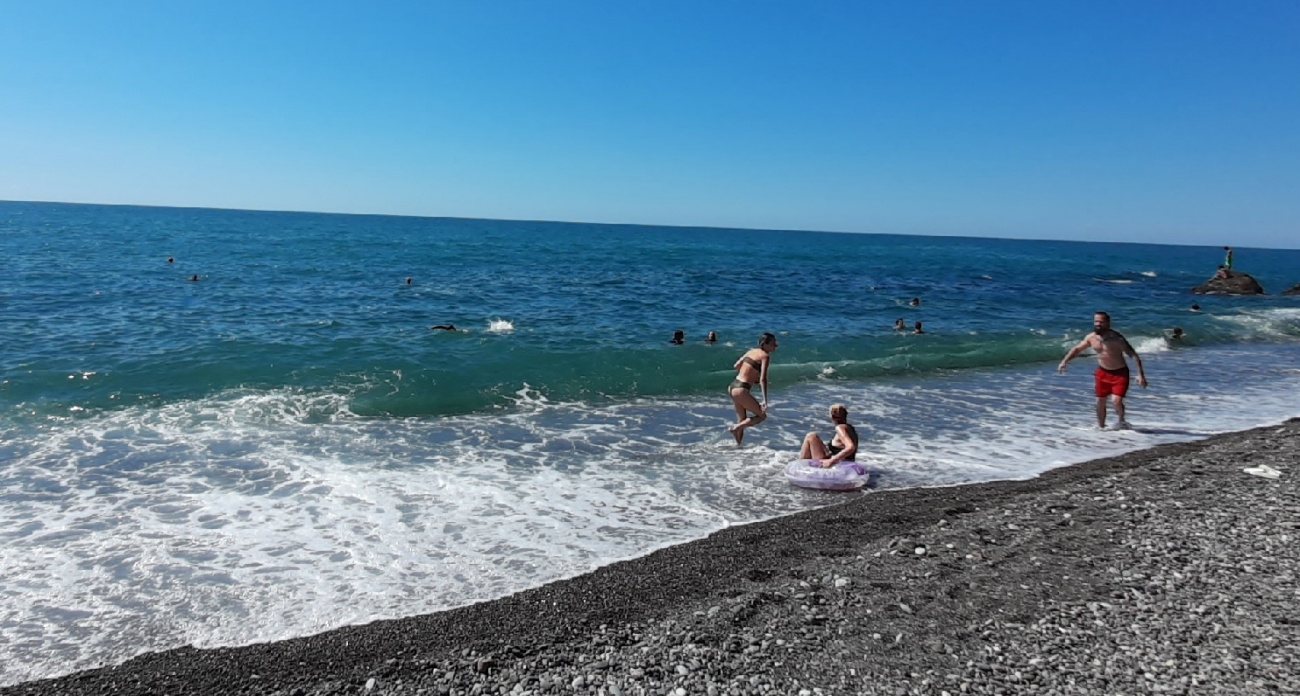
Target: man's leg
{"type": "Point", "coordinates": [1119, 410]}
{"type": "Point", "coordinates": [1101, 412]}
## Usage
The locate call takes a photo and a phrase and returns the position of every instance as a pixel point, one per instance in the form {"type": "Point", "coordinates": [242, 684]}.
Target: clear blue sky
{"type": "Point", "coordinates": [1165, 121]}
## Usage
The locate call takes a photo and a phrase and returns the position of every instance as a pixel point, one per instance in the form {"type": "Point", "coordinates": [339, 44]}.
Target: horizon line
{"type": "Point", "coordinates": [627, 224]}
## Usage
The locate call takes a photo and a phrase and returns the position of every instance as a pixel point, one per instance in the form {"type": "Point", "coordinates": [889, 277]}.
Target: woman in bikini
{"type": "Point", "coordinates": [844, 443]}
{"type": "Point", "coordinates": [751, 369]}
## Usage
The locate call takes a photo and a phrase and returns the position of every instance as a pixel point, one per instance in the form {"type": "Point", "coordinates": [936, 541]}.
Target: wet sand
{"type": "Point", "coordinates": [1163, 570]}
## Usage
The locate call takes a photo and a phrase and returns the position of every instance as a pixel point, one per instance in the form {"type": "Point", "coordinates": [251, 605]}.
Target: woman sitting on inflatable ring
{"type": "Point", "coordinates": [844, 443]}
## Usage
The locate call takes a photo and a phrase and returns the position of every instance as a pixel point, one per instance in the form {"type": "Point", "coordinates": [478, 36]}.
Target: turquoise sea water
{"type": "Point", "coordinates": [284, 446]}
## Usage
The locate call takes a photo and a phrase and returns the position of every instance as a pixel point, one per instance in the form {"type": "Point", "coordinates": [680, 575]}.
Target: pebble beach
{"type": "Point", "coordinates": [1167, 570]}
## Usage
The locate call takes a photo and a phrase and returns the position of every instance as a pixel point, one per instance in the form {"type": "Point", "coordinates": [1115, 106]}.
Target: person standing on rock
{"type": "Point", "coordinates": [1227, 258]}
{"type": "Point", "coordinates": [1112, 376]}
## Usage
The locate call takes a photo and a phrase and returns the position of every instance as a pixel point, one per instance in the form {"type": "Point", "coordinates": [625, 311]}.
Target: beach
{"type": "Point", "coordinates": [1165, 570]}
{"type": "Point", "coordinates": [285, 448]}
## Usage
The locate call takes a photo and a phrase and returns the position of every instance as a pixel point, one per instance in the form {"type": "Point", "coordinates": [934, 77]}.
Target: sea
{"type": "Point", "coordinates": [222, 427]}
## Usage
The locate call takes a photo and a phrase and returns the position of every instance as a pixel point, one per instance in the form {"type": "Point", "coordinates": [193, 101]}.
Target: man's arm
{"type": "Point", "coordinates": [1137, 359]}
{"type": "Point", "coordinates": [1074, 353]}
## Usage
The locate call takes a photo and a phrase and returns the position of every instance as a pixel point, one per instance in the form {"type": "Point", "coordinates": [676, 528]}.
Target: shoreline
{"type": "Point", "coordinates": [1165, 568]}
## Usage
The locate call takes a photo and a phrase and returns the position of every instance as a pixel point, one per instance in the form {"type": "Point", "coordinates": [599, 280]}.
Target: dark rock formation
{"type": "Point", "coordinates": [1294, 290]}
{"type": "Point", "coordinates": [1230, 283]}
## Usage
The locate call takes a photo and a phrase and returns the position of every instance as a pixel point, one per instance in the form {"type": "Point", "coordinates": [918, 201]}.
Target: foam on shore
{"type": "Point", "coordinates": [1094, 542]}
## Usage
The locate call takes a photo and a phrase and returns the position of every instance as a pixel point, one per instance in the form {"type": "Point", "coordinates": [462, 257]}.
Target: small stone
{"type": "Point", "coordinates": [920, 551]}
{"type": "Point", "coordinates": [683, 670]}
{"type": "Point", "coordinates": [370, 683]}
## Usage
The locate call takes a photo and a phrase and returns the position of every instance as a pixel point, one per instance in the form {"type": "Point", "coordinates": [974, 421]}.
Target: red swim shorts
{"type": "Point", "coordinates": [1111, 382]}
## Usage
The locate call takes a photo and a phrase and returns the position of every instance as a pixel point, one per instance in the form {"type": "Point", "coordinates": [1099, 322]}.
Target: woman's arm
{"type": "Point", "coordinates": [762, 377]}
{"type": "Point", "coordinates": [849, 450]}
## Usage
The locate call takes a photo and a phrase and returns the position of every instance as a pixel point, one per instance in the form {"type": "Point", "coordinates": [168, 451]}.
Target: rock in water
{"type": "Point", "coordinates": [1234, 283]}
{"type": "Point", "coordinates": [1294, 290]}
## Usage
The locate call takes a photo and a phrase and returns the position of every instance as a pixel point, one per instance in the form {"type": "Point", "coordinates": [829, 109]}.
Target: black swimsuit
{"type": "Point", "coordinates": [853, 435]}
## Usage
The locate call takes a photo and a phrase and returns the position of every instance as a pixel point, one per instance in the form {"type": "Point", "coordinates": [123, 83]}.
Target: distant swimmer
{"type": "Point", "coordinates": [444, 327]}
{"type": "Point", "coordinates": [843, 446]}
{"type": "Point", "coordinates": [1112, 375]}
{"type": "Point", "coordinates": [900, 325]}
{"type": "Point", "coordinates": [1196, 308]}
{"type": "Point", "coordinates": [751, 368]}
{"type": "Point", "coordinates": [916, 302]}
{"type": "Point", "coordinates": [194, 278]}
{"type": "Point", "coordinates": [679, 337]}
{"type": "Point", "coordinates": [1177, 334]}
{"type": "Point", "coordinates": [409, 281]}
{"type": "Point", "coordinates": [711, 338]}
{"type": "Point", "coordinates": [917, 330]}
{"type": "Point", "coordinates": [171, 259]}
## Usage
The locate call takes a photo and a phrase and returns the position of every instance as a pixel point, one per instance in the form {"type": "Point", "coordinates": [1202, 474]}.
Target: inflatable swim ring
{"type": "Point", "coordinates": [808, 473]}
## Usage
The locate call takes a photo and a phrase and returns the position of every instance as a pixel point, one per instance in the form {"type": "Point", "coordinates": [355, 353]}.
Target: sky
{"type": "Point", "coordinates": [1163, 122]}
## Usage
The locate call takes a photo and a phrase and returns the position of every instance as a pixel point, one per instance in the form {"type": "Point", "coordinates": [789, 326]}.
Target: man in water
{"type": "Point", "coordinates": [1112, 376]}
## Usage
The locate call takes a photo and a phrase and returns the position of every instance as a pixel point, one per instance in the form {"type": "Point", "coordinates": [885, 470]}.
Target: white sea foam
{"type": "Point", "coordinates": [1149, 274]}
{"type": "Point", "coordinates": [1149, 344]}
{"type": "Point", "coordinates": [252, 516]}
{"type": "Point", "coordinates": [1268, 323]}
{"type": "Point", "coordinates": [500, 326]}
